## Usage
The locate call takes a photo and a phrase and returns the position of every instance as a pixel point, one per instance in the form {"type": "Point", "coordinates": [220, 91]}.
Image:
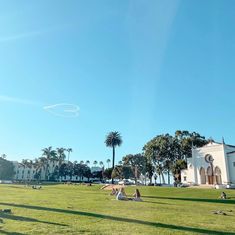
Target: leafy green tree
{"type": "Point", "coordinates": [78, 170]}
{"type": "Point", "coordinates": [6, 169]}
{"type": "Point", "coordinates": [107, 173]}
{"type": "Point", "coordinates": [63, 170]}
{"type": "Point", "coordinates": [70, 169]}
{"type": "Point", "coordinates": [122, 172]}
{"type": "Point", "coordinates": [117, 172]}
{"type": "Point", "coordinates": [113, 139]}
{"type": "Point", "coordinates": [55, 174]}
{"type": "Point", "coordinates": [87, 172]}
{"type": "Point", "coordinates": [176, 169]}
{"type": "Point", "coordinates": [87, 162]}
{"type": "Point", "coordinates": [4, 156]}
{"type": "Point", "coordinates": [149, 169]}
{"type": "Point", "coordinates": [137, 163]}
{"type": "Point", "coordinates": [187, 140]}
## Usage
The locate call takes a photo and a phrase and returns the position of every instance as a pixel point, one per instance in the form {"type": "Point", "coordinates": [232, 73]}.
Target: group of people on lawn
{"type": "Point", "coordinates": [120, 194]}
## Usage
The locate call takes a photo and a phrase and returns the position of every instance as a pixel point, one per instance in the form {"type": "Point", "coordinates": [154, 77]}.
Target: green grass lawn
{"type": "Point", "coordinates": [73, 209]}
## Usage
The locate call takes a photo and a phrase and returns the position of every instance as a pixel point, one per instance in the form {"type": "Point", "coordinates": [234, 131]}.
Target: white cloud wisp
{"type": "Point", "coordinates": [63, 110]}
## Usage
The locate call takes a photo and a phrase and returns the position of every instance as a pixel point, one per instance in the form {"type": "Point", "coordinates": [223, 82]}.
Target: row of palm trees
{"type": "Point", "coordinates": [58, 155]}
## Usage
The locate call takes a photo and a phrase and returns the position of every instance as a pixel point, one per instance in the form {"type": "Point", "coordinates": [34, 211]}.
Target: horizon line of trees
{"type": "Point", "coordinates": [163, 154]}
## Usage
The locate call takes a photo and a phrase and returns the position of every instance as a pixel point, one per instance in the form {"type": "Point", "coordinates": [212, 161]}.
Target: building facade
{"type": "Point", "coordinates": [211, 164]}
{"type": "Point", "coordinates": [45, 172]}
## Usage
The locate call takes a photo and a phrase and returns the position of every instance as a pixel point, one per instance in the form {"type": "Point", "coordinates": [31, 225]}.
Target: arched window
{"type": "Point", "coordinates": [203, 175]}
{"type": "Point", "coordinates": [217, 171]}
{"type": "Point", "coordinates": [210, 179]}
{"type": "Point", "coordinates": [218, 178]}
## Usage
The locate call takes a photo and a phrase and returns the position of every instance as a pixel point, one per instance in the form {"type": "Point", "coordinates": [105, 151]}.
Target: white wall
{"type": "Point", "coordinates": [231, 162]}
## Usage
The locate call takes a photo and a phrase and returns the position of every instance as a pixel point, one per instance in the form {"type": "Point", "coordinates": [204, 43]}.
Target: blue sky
{"type": "Point", "coordinates": [138, 67]}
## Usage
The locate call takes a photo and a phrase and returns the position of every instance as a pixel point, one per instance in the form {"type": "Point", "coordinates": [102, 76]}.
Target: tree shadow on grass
{"type": "Point", "coordinates": [120, 219]}
{"type": "Point", "coordinates": [160, 203]}
{"type": "Point", "coordinates": [194, 199]}
{"type": "Point", "coordinates": [25, 219]}
{"type": "Point", "coordinates": [10, 233]}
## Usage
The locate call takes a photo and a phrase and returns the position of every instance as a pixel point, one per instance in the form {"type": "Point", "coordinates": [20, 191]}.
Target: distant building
{"type": "Point", "coordinates": [24, 172]}
{"type": "Point", "coordinates": [211, 164]}
{"type": "Point", "coordinates": [49, 171]}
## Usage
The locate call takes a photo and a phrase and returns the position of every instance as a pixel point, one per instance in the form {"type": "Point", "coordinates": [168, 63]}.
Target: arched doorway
{"type": "Point", "coordinates": [209, 175]}
{"type": "Point", "coordinates": [218, 178]}
{"type": "Point", "coordinates": [203, 175]}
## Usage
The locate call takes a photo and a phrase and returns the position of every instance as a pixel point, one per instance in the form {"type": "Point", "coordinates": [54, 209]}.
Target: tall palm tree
{"type": "Point", "coordinates": [108, 161]}
{"type": "Point", "coordinates": [95, 162]}
{"type": "Point", "coordinates": [61, 155]}
{"type": "Point", "coordinates": [69, 150]}
{"type": "Point", "coordinates": [49, 154]}
{"type": "Point", "coordinates": [38, 164]}
{"type": "Point", "coordinates": [101, 164]}
{"type": "Point", "coordinates": [87, 162]}
{"type": "Point", "coordinates": [113, 139]}
{"type": "Point", "coordinates": [3, 156]}
{"type": "Point", "coordinates": [81, 162]}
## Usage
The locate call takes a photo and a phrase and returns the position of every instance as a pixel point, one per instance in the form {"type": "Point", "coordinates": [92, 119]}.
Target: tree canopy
{"type": "Point", "coordinates": [6, 169]}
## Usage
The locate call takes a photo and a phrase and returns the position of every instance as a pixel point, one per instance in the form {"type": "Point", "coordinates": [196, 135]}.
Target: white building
{"type": "Point", "coordinates": [211, 164]}
{"type": "Point", "coordinates": [24, 172]}
{"type": "Point", "coordinates": [44, 172]}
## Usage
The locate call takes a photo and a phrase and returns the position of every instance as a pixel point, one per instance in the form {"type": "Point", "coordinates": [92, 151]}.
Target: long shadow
{"type": "Point", "coordinates": [25, 219]}
{"type": "Point", "coordinates": [120, 219]}
{"type": "Point", "coordinates": [194, 199]}
{"type": "Point", "coordinates": [18, 187]}
{"type": "Point", "coordinates": [156, 202]}
{"type": "Point", "coordinates": [10, 233]}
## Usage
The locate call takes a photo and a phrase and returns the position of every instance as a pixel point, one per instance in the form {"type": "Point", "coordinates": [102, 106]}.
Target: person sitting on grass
{"type": "Point", "coordinates": [113, 192]}
{"type": "Point", "coordinates": [223, 195]}
{"type": "Point", "coordinates": [116, 191]}
{"type": "Point", "coordinates": [121, 195]}
{"type": "Point", "coordinates": [137, 196]}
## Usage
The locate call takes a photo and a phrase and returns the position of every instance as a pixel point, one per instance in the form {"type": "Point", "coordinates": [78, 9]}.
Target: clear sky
{"type": "Point", "coordinates": [140, 67]}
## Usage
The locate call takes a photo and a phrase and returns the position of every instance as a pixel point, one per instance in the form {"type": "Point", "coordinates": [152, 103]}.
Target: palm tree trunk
{"type": "Point", "coordinates": [113, 162]}
{"type": "Point", "coordinates": [68, 156]}
{"type": "Point", "coordinates": [168, 174]}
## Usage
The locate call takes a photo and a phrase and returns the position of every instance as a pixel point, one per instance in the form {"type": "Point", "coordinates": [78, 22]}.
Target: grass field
{"type": "Point", "coordinates": [73, 209]}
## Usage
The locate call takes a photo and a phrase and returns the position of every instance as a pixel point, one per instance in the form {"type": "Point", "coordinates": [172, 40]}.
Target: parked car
{"type": "Point", "coordinates": [125, 182]}
{"type": "Point", "coordinates": [115, 181]}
